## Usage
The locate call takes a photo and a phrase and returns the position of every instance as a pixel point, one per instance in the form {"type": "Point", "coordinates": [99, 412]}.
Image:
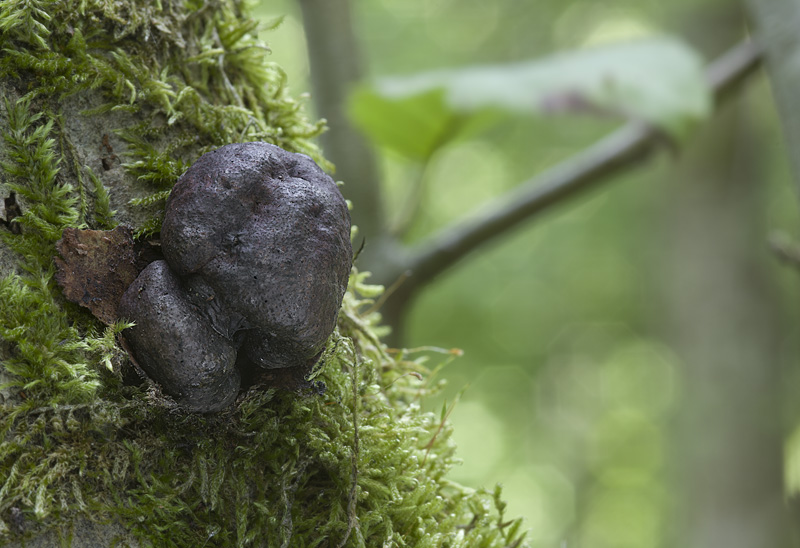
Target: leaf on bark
{"type": "Point", "coordinates": [95, 268]}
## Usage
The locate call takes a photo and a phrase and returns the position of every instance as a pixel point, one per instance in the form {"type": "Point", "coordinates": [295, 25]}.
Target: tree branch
{"type": "Point", "coordinates": [623, 149]}
{"type": "Point", "coordinates": [335, 66]}
{"type": "Point", "coordinates": [777, 21]}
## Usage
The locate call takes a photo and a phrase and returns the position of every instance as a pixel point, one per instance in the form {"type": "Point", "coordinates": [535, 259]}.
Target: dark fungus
{"type": "Point", "coordinates": [175, 345]}
{"type": "Point", "coordinates": [257, 247]}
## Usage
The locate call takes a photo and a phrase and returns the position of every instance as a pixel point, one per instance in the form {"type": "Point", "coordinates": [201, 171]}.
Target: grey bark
{"type": "Point", "coordinates": [336, 67]}
{"type": "Point", "coordinates": [722, 321]}
{"type": "Point", "coordinates": [777, 22]}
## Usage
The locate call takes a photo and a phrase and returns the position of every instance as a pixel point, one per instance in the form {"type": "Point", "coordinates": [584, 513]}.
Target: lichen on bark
{"type": "Point", "coordinates": [104, 104]}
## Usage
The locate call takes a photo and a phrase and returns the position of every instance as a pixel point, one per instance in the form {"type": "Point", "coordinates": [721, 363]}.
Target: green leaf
{"type": "Point", "coordinates": [658, 80]}
{"type": "Point", "coordinates": [413, 125]}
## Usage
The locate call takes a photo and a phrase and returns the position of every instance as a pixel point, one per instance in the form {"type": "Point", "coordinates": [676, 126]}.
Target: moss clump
{"type": "Point", "coordinates": [52, 359]}
{"type": "Point", "coordinates": [359, 465]}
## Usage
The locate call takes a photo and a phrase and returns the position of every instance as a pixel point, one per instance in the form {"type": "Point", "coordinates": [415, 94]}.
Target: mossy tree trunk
{"type": "Point", "coordinates": [104, 105]}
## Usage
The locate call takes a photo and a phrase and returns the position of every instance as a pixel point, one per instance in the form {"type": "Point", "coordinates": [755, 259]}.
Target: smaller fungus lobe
{"type": "Point", "coordinates": [175, 345]}
{"type": "Point", "coordinates": [257, 239]}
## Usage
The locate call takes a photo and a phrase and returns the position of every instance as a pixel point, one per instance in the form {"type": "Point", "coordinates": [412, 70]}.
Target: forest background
{"type": "Point", "coordinates": [630, 357]}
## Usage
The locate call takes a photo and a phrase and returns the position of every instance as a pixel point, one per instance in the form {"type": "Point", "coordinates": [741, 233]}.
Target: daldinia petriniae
{"type": "Point", "coordinates": [257, 246]}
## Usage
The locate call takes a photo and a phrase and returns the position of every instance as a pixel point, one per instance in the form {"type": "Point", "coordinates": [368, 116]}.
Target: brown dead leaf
{"type": "Point", "coordinates": [96, 267]}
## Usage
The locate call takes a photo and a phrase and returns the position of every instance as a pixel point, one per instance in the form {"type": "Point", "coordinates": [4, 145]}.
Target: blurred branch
{"type": "Point", "coordinates": [776, 22]}
{"type": "Point", "coordinates": [785, 249]}
{"type": "Point", "coordinates": [335, 66]}
{"type": "Point", "coordinates": [623, 149]}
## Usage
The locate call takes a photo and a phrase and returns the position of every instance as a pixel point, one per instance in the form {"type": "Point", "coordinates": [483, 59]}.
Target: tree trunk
{"type": "Point", "coordinates": [105, 102]}
{"type": "Point", "coordinates": [722, 320]}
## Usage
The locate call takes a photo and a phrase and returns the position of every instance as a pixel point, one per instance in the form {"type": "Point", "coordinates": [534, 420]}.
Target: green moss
{"type": "Point", "coordinates": [50, 360]}
{"type": "Point", "coordinates": [195, 73]}
{"type": "Point", "coordinates": [360, 465]}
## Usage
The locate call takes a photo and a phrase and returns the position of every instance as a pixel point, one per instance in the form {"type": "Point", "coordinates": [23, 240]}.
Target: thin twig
{"type": "Point", "coordinates": [386, 294]}
{"type": "Point", "coordinates": [623, 149]}
{"type": "Point", "coordinates": [414, 198]}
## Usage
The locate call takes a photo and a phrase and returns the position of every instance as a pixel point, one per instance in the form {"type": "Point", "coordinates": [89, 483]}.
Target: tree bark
{"type": "Point", "coordinates": [777, 21]}
{"type": "Point", "coordinates": [723, 322]}
{"type": "Point", "coordinates": [336, 67]}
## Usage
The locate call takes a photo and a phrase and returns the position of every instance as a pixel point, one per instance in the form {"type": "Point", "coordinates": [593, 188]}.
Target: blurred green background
{"type": "Point", "coordinates": [631, 355]}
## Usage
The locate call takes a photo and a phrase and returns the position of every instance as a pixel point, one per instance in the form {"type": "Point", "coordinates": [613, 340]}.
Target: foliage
{"type": "Point", "coordinates": [659, 81]}
{"type": "Point", "coordinates": [360, 465]}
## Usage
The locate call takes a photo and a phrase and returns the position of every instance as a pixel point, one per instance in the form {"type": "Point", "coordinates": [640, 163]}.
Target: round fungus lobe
{"type": "Point", "coordinates": [257, 247]}
{"type": "Point", "coordinates": [175, 345]}
{"type": "Point", "coordinates": [264, 234]}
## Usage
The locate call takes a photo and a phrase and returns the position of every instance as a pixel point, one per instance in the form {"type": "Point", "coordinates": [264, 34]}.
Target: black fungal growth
{"type": "Point", "coordinates": [257, 247]}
